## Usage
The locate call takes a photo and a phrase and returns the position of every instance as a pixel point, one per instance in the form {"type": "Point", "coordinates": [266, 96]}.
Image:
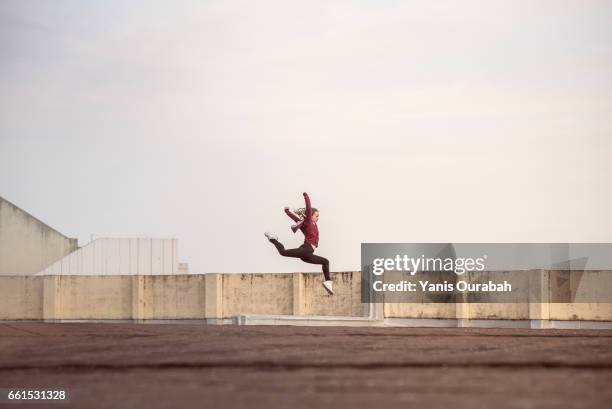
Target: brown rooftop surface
{"type": "Point", "coordinates": [180, 366]}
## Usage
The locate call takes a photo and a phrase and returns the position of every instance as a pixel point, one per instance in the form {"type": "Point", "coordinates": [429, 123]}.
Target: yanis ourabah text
{"type": "Point", "coordinates": [426, 286]}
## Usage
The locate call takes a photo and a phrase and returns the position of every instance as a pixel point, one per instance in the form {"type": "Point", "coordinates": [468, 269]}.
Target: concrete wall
{"type": "Point", "coordinates": [222, 296]}
{"type": "Point", "coordinates": [21, 298]}
{"type": "Point", "coordinates": [169, 297]}
{"type": "Point", "coordinates": [256, 294]}
{"type": "Point", "coordinates": [345, 302]}
{"type": "Point", "coordinates": [28, 245]}
{"type": "Point", "coordinates": [82, 297]}
{"type": "Point", "coordinates": [120, 297]}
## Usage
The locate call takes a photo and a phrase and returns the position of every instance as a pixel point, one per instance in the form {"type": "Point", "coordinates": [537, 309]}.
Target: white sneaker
{"type": "Point", "coordinates": [271, 236]}
{"type": "Point", "coordinates": [328, 286]}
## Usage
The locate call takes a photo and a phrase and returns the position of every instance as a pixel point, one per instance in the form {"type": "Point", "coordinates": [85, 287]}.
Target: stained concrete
{"type": "Point", "coordinates": [27, 245]}
{"type": "Point", "coordinates": [161, 366]}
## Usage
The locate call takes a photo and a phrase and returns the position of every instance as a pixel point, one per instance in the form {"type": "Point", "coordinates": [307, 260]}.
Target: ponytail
{"type": "Point", "coordinates": [301, 212]}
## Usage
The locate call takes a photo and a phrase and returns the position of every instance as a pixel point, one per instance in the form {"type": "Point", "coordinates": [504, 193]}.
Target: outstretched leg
{"type": "Point", "coordinates": [298, 253]}
{"type": "Point", "coordinates": [314, 259]}
{"type": "Point", "coordinates": [305, 253]}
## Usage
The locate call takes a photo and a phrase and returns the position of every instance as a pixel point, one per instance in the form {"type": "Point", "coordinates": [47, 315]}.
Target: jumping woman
{"type": "Point", "coordinates": [305, 252]}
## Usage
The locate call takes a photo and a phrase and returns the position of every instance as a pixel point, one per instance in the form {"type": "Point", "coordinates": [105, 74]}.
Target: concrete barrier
{"type": "Point", "coordinates": [21, 298]}
{"type": "Point", "coordinates": [27, 245]}
{"type": "Point", "coordinates": [288, 298]}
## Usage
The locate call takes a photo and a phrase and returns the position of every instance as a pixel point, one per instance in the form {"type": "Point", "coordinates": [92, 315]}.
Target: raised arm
{"type": "Point", "coordinates": [290, 214]}
{"type": "Point", "coordinates": [308, 214]}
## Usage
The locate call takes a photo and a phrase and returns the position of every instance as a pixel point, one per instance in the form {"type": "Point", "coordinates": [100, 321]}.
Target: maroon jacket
{"type": "Point", "coordinates": [308, 227]}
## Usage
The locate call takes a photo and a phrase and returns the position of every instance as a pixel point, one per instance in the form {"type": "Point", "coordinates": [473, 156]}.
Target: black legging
{"type": "Point", "coordinates": [305, 253]}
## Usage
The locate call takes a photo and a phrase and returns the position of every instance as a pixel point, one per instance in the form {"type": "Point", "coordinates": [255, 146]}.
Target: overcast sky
{"type": "Point", "coordinates": [406, 121]}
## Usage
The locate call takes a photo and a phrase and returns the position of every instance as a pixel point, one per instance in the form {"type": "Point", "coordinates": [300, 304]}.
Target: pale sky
{"type": "Point", "coordinates": [406, 121]}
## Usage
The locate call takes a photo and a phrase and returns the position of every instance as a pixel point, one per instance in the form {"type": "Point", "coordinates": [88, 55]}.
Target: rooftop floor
{"type": "Point", "coordinates": [155, 366]}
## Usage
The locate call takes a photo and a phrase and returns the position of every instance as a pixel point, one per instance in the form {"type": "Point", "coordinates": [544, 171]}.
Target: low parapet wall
{"type": "Point", "coordinates": [188, 296]}
{"type": "Point", "coordinates": [223, 296]}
